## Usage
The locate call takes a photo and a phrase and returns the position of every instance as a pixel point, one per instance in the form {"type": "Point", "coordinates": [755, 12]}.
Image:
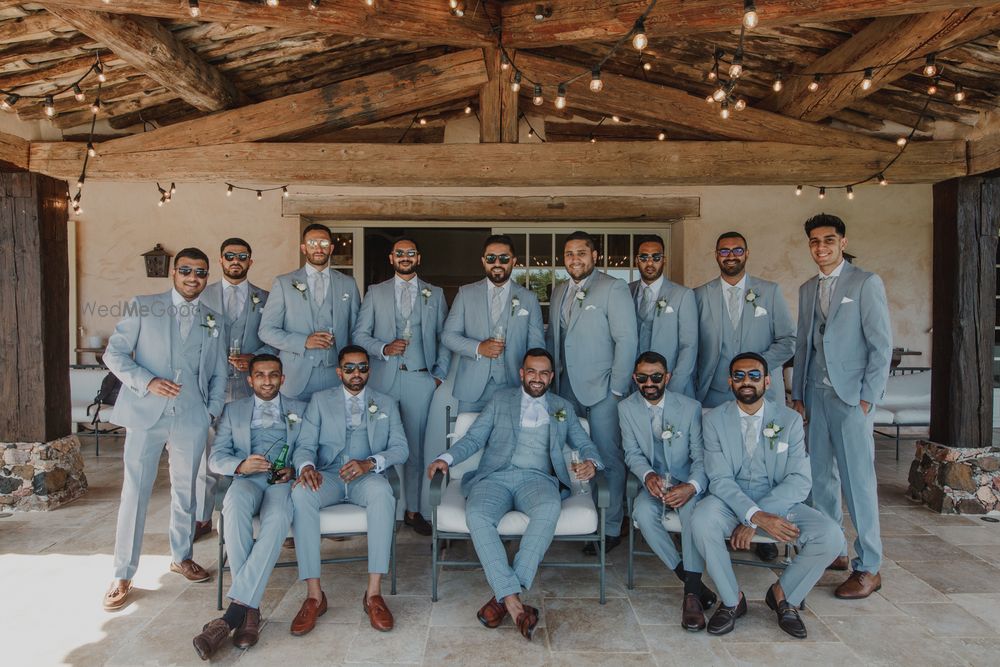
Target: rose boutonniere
{"type": "Point", "coordinates": [254, 301]}
{"type": "Point", "coordinates": [514, 303]}
{"type": "Point", "coordinates": [751, 295]}
{"type": "Point", "coordinates": [661, 305]}
{"type": "Point", "coordinates": [581, 295]}
{"type": "Point", "coordinates": [669, 433]}
{"type": "Point", "coordinates": [372, 408]}
{"type": "Point", "coordinates": [292, 419]}
{"type": "Point", "coordinates": [560, 415]}
{"type": "Point", "coordinates": [771, 432]}
{"type": "Point", "coordinates": [209, 324]}
{"type": "Point", "coordinates": [426, 293]}
{"type": "Point", "coordinates": [301, 287]}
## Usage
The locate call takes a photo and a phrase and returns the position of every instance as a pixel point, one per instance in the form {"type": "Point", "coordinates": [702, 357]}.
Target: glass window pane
{"type": "Point", "coordinates": [520, 241]}
{"type": "Point", "coordinates": [618, 251]}
{"type": "Point", "coordinates": [540, 247]}
{"type": "Point", "coordinates": [560, 243]}
{"type": "Point", "coordinates": [519, 276]}
{"type": "Point", "coordinates": [540, 282]}
{"type": "Point", "coordinates": [624, 274]}
{"type": "Point", "coordinates": [343, 249]}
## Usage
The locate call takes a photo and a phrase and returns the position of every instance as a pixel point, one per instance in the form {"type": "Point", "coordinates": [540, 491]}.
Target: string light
{"type": "Point", "coordinates": [933, 88]}
{"type": "Point", "coordinates": [78, 92]}
{"type": "Point", "coordinates": [777, 85]}
{"type": "Point", "coordinates": [639, 39]}
{"type": "Point", "coordinates": [50, 106]}
{"type": "Point", "coordinates": [229, 191]}
{"type": "Point", "coordinates": [850, 192]}
{"type": "Point", "coordinates": [724, 112]}
{"type": "Point", "coordinates": [284, 191]}
{"type": "Point", "coordinates": [647, 66]}
{"type": "Point", "coordinates": [95, 108]}
{"type": "Point", "coordinates": [616, 118]}
{"type": "Point", "coordinates": [537, 98]}
{"type": "Point", "coordinates": [736, 68]}
{"type": "Point", "coordinates": [750, 18]}
{"type": "Point", "coordinates": [561, 97]}
{"type": "Point", "coordinates": [313, 4]}
{"type": "Point", "coordinates": [504, 62]}
{"type": "Point", "coordinates": [901, 142]}
{"type": "Point", "coordinates": [422, 121]}
{"type": "Point", "coordinates": [259, 195]}
{"type": "Point", "coordinates": [193, 9]}
{"type": "Point", "coordinates": [468, 109]}
{"type": "Point", "coordinates": [822, 193]}
{"type": "Point", "coordinates": [515, 85]}
{"type": "Point", "coordinates": [740, 105]}
{"type": "Point", "coordinates": [99, 68]}
{"type": "Point", "coordinates": [596, 85]}
{"type": "Point", "coordinates": [881, 180]}
{"type": "Point", "coordinates": [866, 82]}
{"type": "Point", "coordinates": [458, 8]}
{"type": "Point", "coordinates": [798, 190]}
{"type": "Point", "coordinates": [959, 93]}
{"type": "Point", "coordinates": [662, 136]}
{"type": "Point", "coordinates": [930, 66]}
{"type": "Point", "coordinates": [258, 192]}
{"type": "Point", "coordinates": [814, 84]}
{"type": "Point", "coordinates": [91, 151]}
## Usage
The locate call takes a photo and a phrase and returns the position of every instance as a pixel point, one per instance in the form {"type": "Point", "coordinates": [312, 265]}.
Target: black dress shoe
{"type": "Point", "coordinates": [708, 598]}
{"type": "Point", "coordinates": [788, 616]}
{"type": "Point", "coordinates": [766, 551]}
{"type": "Point", "coordinates": [590, 548]}
{"type": "Point", "coordinates": [692, 613]}
{"type": "Point", "coordinates": [418, 523]}
{"type": "Point", "coordinates": [724, 619]}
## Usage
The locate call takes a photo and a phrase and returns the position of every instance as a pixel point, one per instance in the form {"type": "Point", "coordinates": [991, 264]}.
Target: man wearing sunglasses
{"type": "Point", "coordinates": [309, 316]}
{"type": "Point", "coordinates": [666, 315]}
{"type": "Point", "coordinates": [491, 325]}
{"type": "Point", "coordinates": [661, 436]}
{"type": "Point", "coordinates": [350, 436]}
{"type": "Point", "coordinates": [841, 367]}
{"type": "Point", "coordinates": [241, 303]}
{"type": "Point", "coordinates": [170, 354]}
{"type": "Point", "coordinates": [759, 478]}
{"type": "Point", "coordinates": [400, 326]}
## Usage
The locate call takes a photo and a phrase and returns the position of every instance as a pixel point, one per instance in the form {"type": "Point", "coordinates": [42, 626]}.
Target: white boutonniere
{"type": "Point", "coordinates": [426, 293]}
{"type": "Point", "coordinates": [292, 419]}
{"type": "Point", "coordinates": [301, 287]}
{"type": "Point", "coordinates": [771, 432]}
{"type": "Point", "coordinates": [372, 408]}
{"type": "Point", "coordinates": [255, 301]}
{"type": "Point", "coordinates": [751, 295]}
{"type": "Point", "coordinates": [669, 433]}
{"type": "Point", "coordinates": [210, 325]}
{"type": "Point", "coordinates": [560, 415]}
{"type": "Point", "coordinates": [345, 297]}
{"type": "Point", "coordinates": [661, 306]}
{"type": "Point", "coordinates": [581, 295]}
{"type": "Point", "coordinates": [514, 303]}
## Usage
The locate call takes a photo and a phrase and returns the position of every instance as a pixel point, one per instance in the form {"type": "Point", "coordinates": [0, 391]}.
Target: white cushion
{"type": "Point", "coordinates": [672, 522]}
{"type": "Point", "coordinates": [335, 519]}
{"type": "Point", "coordinates": [883, 416]}
{"type": "Point", "coordinates": [84, 383]}
{"type": "Point", "coordinates": [914, 417]}
{"type": "Point", "coordinates": [907, 391]}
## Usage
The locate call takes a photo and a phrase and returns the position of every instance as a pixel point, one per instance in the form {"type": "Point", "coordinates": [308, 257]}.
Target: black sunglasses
{"type": "Point", "coordinates": [405, 253]}
{"type": "Point", "coordinates": [645, 257]}
{"type": "Point", "coordinates": [186, 271]}
{"type": "Point", "coordinates": [350, 369]}
{"type": "Point", "coordinates": [642, 378]}
{"type": "Point", "coordinates": [230, 256]}
{"type": "Point", "coordinates": [735, 252]}
{"type": "Point", "coordinates": [754, 375]}
{"type": "Point", "coordinates": [493, 259]}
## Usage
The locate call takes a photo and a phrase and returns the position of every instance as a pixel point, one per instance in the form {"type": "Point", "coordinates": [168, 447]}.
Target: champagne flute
{"type": "Point", "coordinates": [582, 487]}
{"type": "Point", "coordinates": [667, 483]}
{"type": "Point", "coordinates": [172, 402]}
{"type": "Point", "coordinates": [234, 351]}
{"type": "Point", "coordinates": [499, 334]}
{"type": "Point", "coordinates": [407, 331]}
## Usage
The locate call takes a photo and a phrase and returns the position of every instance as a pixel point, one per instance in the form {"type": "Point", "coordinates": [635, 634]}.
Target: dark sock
{"type": "Point", "coordinates": [692, 583]}
{"type": "Point", "coordinates": [679, 571]}
{"type": "Point", "coordinates": [235, 615]}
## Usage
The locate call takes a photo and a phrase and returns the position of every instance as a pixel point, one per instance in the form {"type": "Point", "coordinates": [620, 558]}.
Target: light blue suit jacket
{"type": "Point", "coordinates": [139, 350]}
{"type": "Point", "coordinates": [468, 324]}
{"type": "Point", "coordinates": [675, 332]}
{"type": "Point", "coordinates": [497, 427]}
{"type": "Point", "coordinates": [376, 328]}
{"type": "Point", "coordinates": [683, 452]}
{"type": "Point", "coordinates": [287, 322]}
{"type": "Point", "coordinates": [857, 340]}
{"type": "Point", "coordinates": [787, 470]}
{"type": "Point", "coordinates": [232, 434]}
{"type": "Point", "coordinates": [770, 334]}
{"type": "Point", "coordinates": [324, 430]}
{"type": "Point", "coordinates": [601, 339]}
{"type": "Point", "coordinates": [250, 342]}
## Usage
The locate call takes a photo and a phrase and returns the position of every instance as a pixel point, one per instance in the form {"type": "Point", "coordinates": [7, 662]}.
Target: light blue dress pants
{"type": "Point", "coordinates": [648, 511]}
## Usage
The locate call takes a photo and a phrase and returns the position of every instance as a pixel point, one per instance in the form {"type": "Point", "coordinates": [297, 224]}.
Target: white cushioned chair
{"type": "Point", "coordinates": [907, 403]}
{"type": "Point", "coordinates": [579, 521]}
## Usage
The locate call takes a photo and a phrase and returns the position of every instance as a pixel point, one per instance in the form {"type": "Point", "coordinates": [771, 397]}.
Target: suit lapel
{"type": "Point", "coordinates": [770, 455]}
{"type": "Point", "coordinates": [839, 289]}
{"type": "Point", "coordinates": [749, 308]}
{"type": "Point", "coordinates": [302, 276]}
{"type": "Point", "coordinates": [577, 308]}
{"type": "Point", "coordinates": [734, 435]}
{"type": "Point", "coordinates": [241, 424]}
{"type": "Point", "coordinates": [715, 308]}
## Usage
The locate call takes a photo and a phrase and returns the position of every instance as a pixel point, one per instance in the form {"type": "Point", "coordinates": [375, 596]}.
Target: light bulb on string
{"type": "Point", "coordinates": [616, 118]}
{"type": "Point", "coordinates": [647, 66]}
{"type": "Point", "coordinates": [50, 106]}
{"type": "Point", "coordinates": [259, 195]}
{"type": "Point", "coordinates": [561, 97]}
{"type": "Point", "coordinates": [639, 39]}
{"type": "Point", "coordinates": [78, 92]}
{"type": "Point", "coordinates": [712, 75]}
{"type": "Point", "coordinates": [229, 190]}
{"type": "Point", "coordinates": [458, 9]}
{"type": "Point", "coordinates": [593, 140]}
{"type": "Point", "coordinates": [866, 82]}
{"type": "Point", "coordinates": [822, 193]}
{"type": "Point", "coordinates": [173, 189]}
{"type": "Point", "coordinates": [163, 200]}
{"type": "Point", "coordinates": [95, 108]}
{"type": "Point", "coordinates": [515, 85]}
{"type": "Point", "coordinates": [850, 192]}
{"type": "Point", "coordinates": [719, 94]}
{"type": "Point", "coordinates": [422, 121]}
{"type": "Point", "coordinates": [504, 62]}
{"type": "Point", "coordinates": [313, 4]}
{"type": "Point", "coordinates": [933, 88]}
{"type": "Point", "coordinates": [193, 9]}
{"type": "Point", "coordinates": [740, 105]}
{"type": "Point", "coordinates": [99, 68]}
{"type": "Point", "coordinates": [881, 180]}
{"type": "Point", "coordinates": [537, 98]}
{"type": "Point", "coordinates": [710, 99]}
{"type": "Point", "coordinates": [959, 93]}
{"type": "Point", "coordinates": [596, 85]}
{"type": "Point", "coordinates": [798, 190]}
{"type": "Point", "coordinates": [777, 85]}
{"type": "Point", "coordinates": [80, 181]}
{"type": "Point", "coordinates": [930, 65]}
{"type": "Point", "coordinates": [750, 18]}
{"type": "Point", "coordinates": [662, 136]}
{"type": "Point", "coordinates": [736, 68]}
{"type": "Point", "coordinates": [725, 111]}
{"type": "Point", "coordinates": [814, 84]}
{"type": "Point", "coordinates": [468, 109]}
{"type": "Point", "coordinates": [271, 3]}
{"type": "Point", "coordinates": [91, 151]}
{"type": "Point", "coordinates": [284, 191]}
{"type": "Point", "coordinates": [901, 142]}
{"type": "Point", "coordinates": [370, 3]}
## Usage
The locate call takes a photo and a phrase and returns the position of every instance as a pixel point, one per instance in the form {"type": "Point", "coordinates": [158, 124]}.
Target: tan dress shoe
{"type": "Point", "coordinates": [212, 636]}
{"type": "Point", "coordinates": [191, 571]}
{"type": "Point", "coordinates": [492, 613]}
{"type": "Point", "coordinates": [117, 595]}
{"type": "Point", "coordinates": [859, 585]}
{"type": "Point", "coordinates": [247, 634]}
{"type": "Point", "coordinates": [527, 622]}
{"type": "Point", "coordinates": [305, 620]}
{"type": "Point", "coordinates": [378, 612]}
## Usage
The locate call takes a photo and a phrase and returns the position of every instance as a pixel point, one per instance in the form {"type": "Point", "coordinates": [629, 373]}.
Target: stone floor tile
{"type": "Point", "coordinates": [986, 534]}
{"type": "Point", "coordinates": [891, 524]}
{"type": "Point", "coordinates": [585, 625]}
{"type": "Point", "coordinates": [920, 547]}
{"type": "Point", "coordinates": [899, 585]}
{"type": "Point", "coordinates": [167, 643]}
{"type": "Point", "coordinates": [673, 646]}
{"type": "Point", "coordinates": [986, 607]}
{"type": "Point", "coordinates": [483, 646]}
{"type": "Point", "coordinates": [404, 644]}
{"type": "Point", "coordinates": [791, 653]}
{"type": "Point", "coordinates": [971, 576]}
{"type": "Point", "coordinates": [975, 652]}
{"type": "Point", "coordinates": [326, 645]}
{"type": "Point", "coordinates": [823, 603]}
{"type": "Point", "coordinates": [761, 625]}
{"type": "Point", "coordinates": [657, 606]}
{"type": "Point", "coordinates": [891, 640]}
{"type": "Point", "coordinates": [945, 619]}
{"type": "Point", "coordinates": [990, 554]}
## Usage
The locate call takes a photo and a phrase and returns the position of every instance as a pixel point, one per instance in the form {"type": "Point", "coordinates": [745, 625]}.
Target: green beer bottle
{"type": "Point", "coordinates": [278, 464]}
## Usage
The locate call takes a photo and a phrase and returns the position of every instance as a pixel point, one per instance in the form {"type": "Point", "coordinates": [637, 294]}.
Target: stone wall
{"type": "Point", "coordinates": [41, 475]}
{"type": "Point", "coordinates": [953, 480]}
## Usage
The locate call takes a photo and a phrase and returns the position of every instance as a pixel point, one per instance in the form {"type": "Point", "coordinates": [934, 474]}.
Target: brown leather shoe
{"type": "Point", "coordinates": [305, 620]}
{"type": "Point", "coordinates": [859, 585]}
{"type": "Point", "coordinates": [492, 613]}
{"type": "Point", "coordinates": [378, 612]}
{"type": "Point", "coordinates": [212, 636]}
{"type": "Point", "coordinates": [117, 595]}
{"type": "Point", "coordinates": [191, 571]}
{"type": "Point", "coordinates": [527, 622]}
{"type": "Point", "coordinates": [202, 529]}
{"type": "Point", "coordinates": [692, 613]}
{"type": "Point", "coordinates": [247, 634]}
{"type": "Point", "coordinates": [840, 563]}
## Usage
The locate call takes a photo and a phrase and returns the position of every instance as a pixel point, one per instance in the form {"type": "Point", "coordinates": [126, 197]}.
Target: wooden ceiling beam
{"type": "Point", "coordinates": [425, 21]}
{"type": "Point", "coordinates": [510, 165]}
{"type": "Point", "coordinates": [14, 152]}
{"type": "Point", "coordinates": [360, 101]}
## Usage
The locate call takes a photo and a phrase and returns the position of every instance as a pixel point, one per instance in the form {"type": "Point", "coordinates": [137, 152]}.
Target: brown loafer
{"type": "Point", "coordinates": [840, 563]}
{"type": "Point", "coordinates": [692, 613]}
{"type": "Point", "coordinates": [527, 622]}
{"type": "Point", "coordinates": [492, 613]}
{"type": "Point", "coordinates": [305, 620]}
{"type": "Point", "coordinates": [202, 529]}
{"type": "Point", "coordinates": [117, 595]}
{"type": "Point", "coordinates": [859, 585]}
{"type": "Point", "coordinates": [378, 612]}
{"type": "Point", "coordinates": [191, 571]}
{"type": "Point", "coordinates": [247, 634]}
{"type": "Point", "coordinates": [212, 636]}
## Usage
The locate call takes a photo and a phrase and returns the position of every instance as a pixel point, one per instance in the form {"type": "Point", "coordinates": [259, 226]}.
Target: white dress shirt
{"type": "Point", "coordinates": [754, 422]}
{"type": "Point", "coordinates": [259, 408]}
{"type": "Point", "coordinates": [656, 285]}
{"type": "Point", "coordinates": [741, 286]}
{"type": "Point", "coordinates": [412, 284]}
{"type": "Point", "coordinates": [242, 290]}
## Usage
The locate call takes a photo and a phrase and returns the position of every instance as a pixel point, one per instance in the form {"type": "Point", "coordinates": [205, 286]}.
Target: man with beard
{"type": "Point", "coordinates": [661, 435]}
{"type": "Point", "coordinates": [241, 303]}
{"type": "Point", "coordinates": [169, 353]}
{"type": "Point", "coordinates": [396, 313]}
{"type": "Point", "coordinates": [592, 336]}
{"type": "Point", "coordinates": [841, 367]}
{"type": "Point", "coordinates": [309, 317]}
{"type": "Point", "coordinates": [522, 432]}
{"type": "Point", "coordinates": [491, 325]}
{"type": "Point", "coordinates": [350, 436]}
{"type": "Point", "coordinates": [759, 478]}
{"type": "Point", "coordinates": [250, 439]}
{"type": "Point", "coordinates": [666, 315]}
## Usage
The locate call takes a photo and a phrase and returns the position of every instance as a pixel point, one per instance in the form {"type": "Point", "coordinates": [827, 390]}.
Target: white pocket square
{"type": "Point", "coordinates": [669, 309]}
{"type": "Point", "coordinates": [782, 447]}
{"type": "Point", "coordinates": [590, 308]}
{"type": "Point", "coordinates": [385, 416]}
{"type": "Point", "coordinates": [523, 312]}
{"type": "Point", "coordinates": [759, 312]}
{"type": "Point", "coordinates": [847, 299]}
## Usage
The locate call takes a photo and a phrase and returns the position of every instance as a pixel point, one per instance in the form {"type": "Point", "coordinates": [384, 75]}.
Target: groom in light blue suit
{"type": "Point", "coordinates": [170, 355]}
{"type": "Point", "coordinates": [666, 315]}
{"type": "Point", "coordinates": [400, 326]}
{"type": "Point", "coordinates": [759, 478]}
{"type": "Point", "coordinates": [661, 435]}
{"type": "Point", "coordinates": [841, 366]}
{"type": "Point", "coordinates": [309, 317]}
{"type": "Point", "coordinates": [592, 337]}
{"type": "Point", "coordinates": [740, 313]}
{"type": "Point", "coordinates": [491, 325]}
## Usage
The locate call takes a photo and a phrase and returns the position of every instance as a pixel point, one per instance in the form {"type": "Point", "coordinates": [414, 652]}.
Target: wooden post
{"type": "Point", "coordinates": [966, 218]}
{"type": "Point", "coordinates": [34, 302]}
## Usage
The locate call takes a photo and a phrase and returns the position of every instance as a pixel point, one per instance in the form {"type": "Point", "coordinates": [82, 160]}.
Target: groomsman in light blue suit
{"type": "Point", "coordinates": [522, 433]}
{"type": "Point", "coordinates": [250, 438]}
{"type": "Point", "coordinates": [661, 435]}
{"type": "Point", "coordinates": [170, 355]}
{"type": "Point", "coordinates": [400, 326]}
{"type": "Point", "coordinates": [841, 366]}
{"type": "Point", "coordinates": [309, 317]}
{"type": "Point", "coordinates": [491, 325]}
{"type": "Point", "coordinates": [666, 315]}
{"type": "Point", "coordinates": [758, 475]}
{"type": "Point", "coordinates": [592, 336]}
{"type": "Point", "coordinates": [350, 436]}
{"type": "Point", "coordinates": [740, 313]}
{"type": "Point", "coordinates": [241, 304]}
